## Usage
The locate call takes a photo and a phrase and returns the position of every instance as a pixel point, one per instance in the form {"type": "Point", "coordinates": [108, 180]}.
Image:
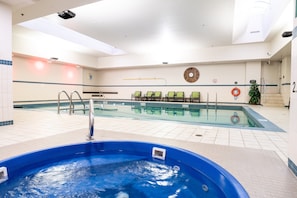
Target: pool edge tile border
{"type": "Point", "coordinates": [259, 119]}
{"type": "Point", "coordinates": [5, 123]}
{"type": "Point", "coordinates": [292, 166]}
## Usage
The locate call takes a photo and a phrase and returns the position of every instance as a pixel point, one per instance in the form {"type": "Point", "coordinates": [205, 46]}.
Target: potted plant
{"type": "Point", "coordinates": [255, 94]}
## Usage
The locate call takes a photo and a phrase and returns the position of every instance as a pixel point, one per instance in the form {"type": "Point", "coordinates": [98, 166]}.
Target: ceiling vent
{"type": "Point", "coordinates": [66, 14]}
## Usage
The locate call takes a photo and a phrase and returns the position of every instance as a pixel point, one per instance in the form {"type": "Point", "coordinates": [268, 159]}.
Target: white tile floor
{"type": "Point", "coordinates": [29, 125]}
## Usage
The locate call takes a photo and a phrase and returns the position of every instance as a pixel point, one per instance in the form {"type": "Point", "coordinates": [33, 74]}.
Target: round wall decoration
{"type": "Point", "coordinates": [191, 74]}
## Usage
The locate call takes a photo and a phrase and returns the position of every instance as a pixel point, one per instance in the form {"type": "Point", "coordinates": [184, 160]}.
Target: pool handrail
{"type": "Point", "coordinates": [71, 110]}
{"type": "Point", "coordinates": [91, 120]}
{"type": "Point", "coordinates": [59, 100]}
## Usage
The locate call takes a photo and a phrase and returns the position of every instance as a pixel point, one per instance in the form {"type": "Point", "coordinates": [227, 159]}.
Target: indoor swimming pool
{"type": "Point", "coordinates": [215, 115]}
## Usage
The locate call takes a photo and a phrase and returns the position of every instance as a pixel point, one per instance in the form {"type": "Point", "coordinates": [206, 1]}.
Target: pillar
{"type": "Point", "coordinates": [292, 148]}
{"type": "Point", "coordinates": [6, 99]}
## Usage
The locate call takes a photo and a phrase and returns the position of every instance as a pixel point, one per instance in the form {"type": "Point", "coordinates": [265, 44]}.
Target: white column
{"type": "Point", "coordinates": [292, 152]}
{"type": "Point", "coordinates": [6, 99]}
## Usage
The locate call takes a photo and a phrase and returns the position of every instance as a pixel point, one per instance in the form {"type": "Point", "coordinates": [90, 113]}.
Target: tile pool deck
{"type": "Point", "coordinates": [258, 159]}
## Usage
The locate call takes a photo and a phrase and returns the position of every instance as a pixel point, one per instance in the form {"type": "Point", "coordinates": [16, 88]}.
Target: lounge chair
{"type": "Point", "coordinates": [136, 95]}
{"type": "Point", "coordinates": [195, 96]}
{"type": "Point", "coordinates": [170, 96]}
{"type": "Point", "coordinates": [157, 95]}
{"type": "Point", "coordinates": [180, 96]}
{"type": "Point", "coordinates": [148, 95]}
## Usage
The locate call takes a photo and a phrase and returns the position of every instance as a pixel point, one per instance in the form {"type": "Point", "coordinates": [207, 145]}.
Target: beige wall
{"type": "Point", "coordinates": [214, 79]}
{"type": "Point", "coordinates": [286, 79]}
{"type": "Point", "coordinates": [39, 80]}
{"type": "Point", "coordinates": [271, 73]}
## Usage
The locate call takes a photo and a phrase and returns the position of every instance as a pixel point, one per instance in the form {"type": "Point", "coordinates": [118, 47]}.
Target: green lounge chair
{"type": "Point", "coordinates": [180, 96]}
{"type": "Point", "coordinates": [170, 96]}
{"type": "Point", "coordinates": [195, 96]}
{"type": "Point", "coordinates": [148, 95]}
{"type": "Point", "coordinates": [157, 95]}
{"type": "Point", "coordinates": [136, 95]}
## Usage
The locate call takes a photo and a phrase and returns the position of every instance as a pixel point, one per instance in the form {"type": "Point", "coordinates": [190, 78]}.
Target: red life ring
{"type": "Point", "coordinates": [235, 92]}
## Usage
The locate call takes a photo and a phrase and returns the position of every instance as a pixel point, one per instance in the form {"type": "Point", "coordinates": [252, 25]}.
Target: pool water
{"type": "Point", "coordinates": [105, 176]}
{"type": "Point", "coordinates": [227, 117]}
{"type": "Point", "coordinates": [117, 170]}
{"type": "Point", "coordinates": [213, 115]}
{"type": "Point", "coordinates": [232, 116]}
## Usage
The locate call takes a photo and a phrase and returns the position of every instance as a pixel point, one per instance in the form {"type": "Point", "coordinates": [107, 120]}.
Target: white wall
{"type": "Point", "coordinates": [292, 149]}
{"type": "Point", "coordinates": [293, 107]}
{"type": "Point", "coordinates": [47, 48]}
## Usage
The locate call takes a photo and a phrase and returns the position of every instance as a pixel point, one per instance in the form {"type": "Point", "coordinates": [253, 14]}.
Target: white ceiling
{"type": "Point", "coordinates": [148, 26]}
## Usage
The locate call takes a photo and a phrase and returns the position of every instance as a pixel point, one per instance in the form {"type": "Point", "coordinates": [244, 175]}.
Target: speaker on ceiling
{"type": "Point", "coordinates": [66, 14]}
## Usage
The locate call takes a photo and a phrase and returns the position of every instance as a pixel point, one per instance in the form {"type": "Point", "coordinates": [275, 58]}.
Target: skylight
{"type": "Point", "coordinates": [54, 29]}
{"type": "Point", "coordinates": [254, 19]}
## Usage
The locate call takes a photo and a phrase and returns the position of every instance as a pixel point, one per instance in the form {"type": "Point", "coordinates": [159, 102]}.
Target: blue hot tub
{"type": "Point", "coordinates": [116, 169]}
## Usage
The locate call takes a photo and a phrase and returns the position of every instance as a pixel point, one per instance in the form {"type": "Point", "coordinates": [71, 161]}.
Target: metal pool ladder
{"type": "Point", "coordinates": [71, 104]}
{"type": "Point", "coordinates": [59, 100]}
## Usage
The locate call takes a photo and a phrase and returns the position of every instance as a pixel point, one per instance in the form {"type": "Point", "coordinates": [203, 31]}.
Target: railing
{"type": "Point", "coordinates": [216, 101]}
{"type": "Point", "coordinates": [91, 120]}
{"type": "Point", "coordinates": [215, 105]}
{"type": "Point", "coordinates": [70, 99]}
{"type": "Point", "coordinates": [59, 100]}
{"type": "Point", "coordinates": [71, 110]}
{"type": "Point", "coordinates": [207, 101]}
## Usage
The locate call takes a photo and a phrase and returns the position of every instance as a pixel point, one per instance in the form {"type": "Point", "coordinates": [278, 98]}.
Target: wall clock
{"type": "Point", "coordinates": [191, 74]}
